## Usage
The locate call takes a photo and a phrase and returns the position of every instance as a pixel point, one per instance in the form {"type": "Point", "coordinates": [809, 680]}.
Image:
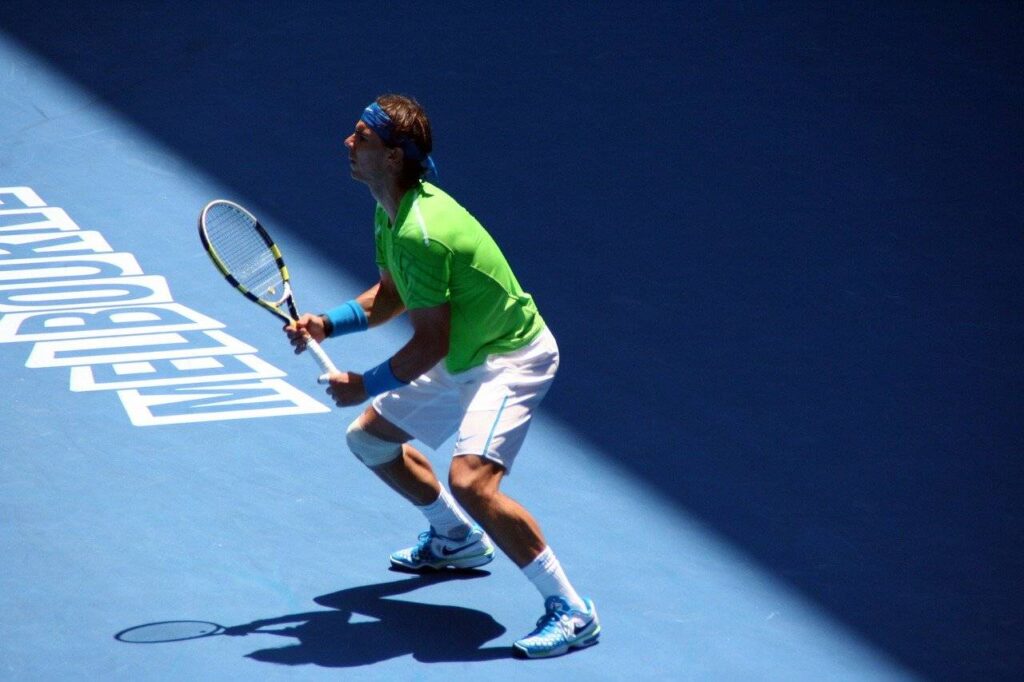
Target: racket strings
{"type": "Point", "coordinates": [244, 252]}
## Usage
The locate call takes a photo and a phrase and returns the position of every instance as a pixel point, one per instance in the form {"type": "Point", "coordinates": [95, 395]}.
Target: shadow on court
{"type": "Point", "coordinates": [366, 626]}
{"type": "Point", "coordinates": [780, 249]}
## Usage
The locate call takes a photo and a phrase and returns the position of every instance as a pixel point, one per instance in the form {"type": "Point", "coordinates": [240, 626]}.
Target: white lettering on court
{"type": "Point", "coordinates": [86, 307]}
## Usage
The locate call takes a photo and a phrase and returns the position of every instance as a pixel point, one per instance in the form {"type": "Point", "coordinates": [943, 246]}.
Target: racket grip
{"type": "Point", "coordinates": [324, 362]}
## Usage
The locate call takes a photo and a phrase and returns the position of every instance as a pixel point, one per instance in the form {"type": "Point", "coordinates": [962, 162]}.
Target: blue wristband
{"type": "Point", "coordinates": [346, 318]}
{"type": "Point", "coordinates": [381, 379]}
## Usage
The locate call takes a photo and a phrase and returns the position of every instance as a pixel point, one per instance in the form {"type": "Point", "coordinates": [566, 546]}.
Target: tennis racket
{"type": "Point", "coordinates": [251, 262]}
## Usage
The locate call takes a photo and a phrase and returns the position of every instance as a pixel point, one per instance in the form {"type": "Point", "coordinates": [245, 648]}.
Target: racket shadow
{"type": "Point", "coordinates": [366, 626]}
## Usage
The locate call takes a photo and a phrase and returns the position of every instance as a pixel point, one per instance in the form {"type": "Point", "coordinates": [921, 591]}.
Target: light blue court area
{"type": "Point", "coordinates": [780, 249]}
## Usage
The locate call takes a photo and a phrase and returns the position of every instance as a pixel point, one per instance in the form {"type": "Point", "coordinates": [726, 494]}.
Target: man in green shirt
{"type": "Point", "coordinates": [438, 254]}
{"type": "Point", "coordinates": [479, 362]}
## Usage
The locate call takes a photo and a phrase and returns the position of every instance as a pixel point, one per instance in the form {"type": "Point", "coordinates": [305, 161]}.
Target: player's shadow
{"type": "Point", "coordinates": [366, 626]}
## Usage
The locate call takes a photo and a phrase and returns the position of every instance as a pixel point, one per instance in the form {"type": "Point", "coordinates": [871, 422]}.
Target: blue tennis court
{"type": "Point", "coordinates": [781, 249]}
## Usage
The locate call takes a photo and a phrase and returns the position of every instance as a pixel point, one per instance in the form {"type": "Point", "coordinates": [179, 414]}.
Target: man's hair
{"type": "Point", "coordinates": [410, 123]}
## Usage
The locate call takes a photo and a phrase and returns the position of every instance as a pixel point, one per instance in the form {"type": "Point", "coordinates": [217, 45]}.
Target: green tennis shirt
{"type": "Point", "coordinates": [438, 253]}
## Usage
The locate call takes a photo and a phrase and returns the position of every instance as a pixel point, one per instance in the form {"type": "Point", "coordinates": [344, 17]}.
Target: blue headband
{"type": "Point", "coordinates": [379, 121]}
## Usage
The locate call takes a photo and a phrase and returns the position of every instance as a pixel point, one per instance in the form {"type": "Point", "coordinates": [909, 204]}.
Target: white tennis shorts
{"type": "Point", "coordinates": [490, 405]}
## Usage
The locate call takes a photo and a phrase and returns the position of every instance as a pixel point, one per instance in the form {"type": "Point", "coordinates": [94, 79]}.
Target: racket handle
{"type": "Point", "coordinates": [324, 362]}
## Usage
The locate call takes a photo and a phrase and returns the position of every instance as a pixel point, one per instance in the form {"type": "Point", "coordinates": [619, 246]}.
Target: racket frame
{"type": "Point", "coordinates": [287, 298]}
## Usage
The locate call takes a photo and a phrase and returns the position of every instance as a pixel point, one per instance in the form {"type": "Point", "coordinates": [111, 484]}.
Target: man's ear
{"type": "Point", "coordinates": [395, 157]}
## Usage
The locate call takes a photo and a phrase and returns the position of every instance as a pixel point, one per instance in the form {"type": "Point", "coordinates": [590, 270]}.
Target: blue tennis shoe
{"type": "Point", "coordinates": [437, 552]}
{"type": "Point", "coordinates": [560, 630]}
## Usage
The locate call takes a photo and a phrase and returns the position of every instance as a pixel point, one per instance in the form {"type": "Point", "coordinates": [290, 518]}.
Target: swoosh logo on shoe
{"type": "Point", "coordinates": [578, 627]}
{"type": "Point", "coordinates": [448, 551]}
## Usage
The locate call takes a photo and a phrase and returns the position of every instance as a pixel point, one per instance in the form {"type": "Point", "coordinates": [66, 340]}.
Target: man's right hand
{"type": "Point", "coordinates": [307, 326]}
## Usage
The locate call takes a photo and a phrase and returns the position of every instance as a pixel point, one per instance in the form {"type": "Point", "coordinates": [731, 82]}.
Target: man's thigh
{"type": "Point", "coordinates": [376, 425]}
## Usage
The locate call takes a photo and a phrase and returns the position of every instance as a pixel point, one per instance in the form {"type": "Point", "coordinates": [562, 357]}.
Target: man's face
{"type": "Point", "coordinates": [367, 154]}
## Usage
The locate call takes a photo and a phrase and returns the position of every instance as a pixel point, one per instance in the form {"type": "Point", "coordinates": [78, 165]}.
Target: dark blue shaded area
{"type": "Point", "coordinates": [781, 248]}
{"type": "Point", "coordinates": [365, 625]}
{"type": "Point", "coordinates": [389, 628]}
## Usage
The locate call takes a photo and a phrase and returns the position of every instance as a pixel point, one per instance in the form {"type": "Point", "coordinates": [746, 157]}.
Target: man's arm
{"type": "Point", "coordinates": [427, 347]}
{"type": "Point", "coordinates": [380, 303]}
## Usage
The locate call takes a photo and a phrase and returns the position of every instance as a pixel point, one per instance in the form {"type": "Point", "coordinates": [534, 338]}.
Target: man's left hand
{"type": "Point", "coordinates": [346, 388]}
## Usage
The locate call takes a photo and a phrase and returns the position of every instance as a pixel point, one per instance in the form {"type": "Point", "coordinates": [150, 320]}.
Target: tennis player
{"type": "Point", "coordinates": [479, 362]}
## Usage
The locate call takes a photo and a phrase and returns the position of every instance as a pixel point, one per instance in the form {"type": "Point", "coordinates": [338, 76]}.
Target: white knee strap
{"type": "Point", "coordinates": [371, 450]}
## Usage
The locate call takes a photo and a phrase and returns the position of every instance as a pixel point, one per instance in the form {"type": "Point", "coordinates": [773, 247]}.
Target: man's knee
{"type": "Point", "coordinates": [371, 450]}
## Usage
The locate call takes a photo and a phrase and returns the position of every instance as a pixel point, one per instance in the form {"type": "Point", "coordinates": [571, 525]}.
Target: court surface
{"type": "Point", "coordinates": [780, 246]}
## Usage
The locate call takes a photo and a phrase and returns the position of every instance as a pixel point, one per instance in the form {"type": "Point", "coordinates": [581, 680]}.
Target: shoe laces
{"type": "Point", "coordinates": [556, 612]}
{"type": "Point", "coordinates": [423, 546]}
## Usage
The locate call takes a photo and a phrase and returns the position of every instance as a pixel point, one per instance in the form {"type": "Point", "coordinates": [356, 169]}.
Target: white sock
{"type": "Point", "coordinates": [446, 517]}
{"type": "Point", "coordinates": [547, 576]}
